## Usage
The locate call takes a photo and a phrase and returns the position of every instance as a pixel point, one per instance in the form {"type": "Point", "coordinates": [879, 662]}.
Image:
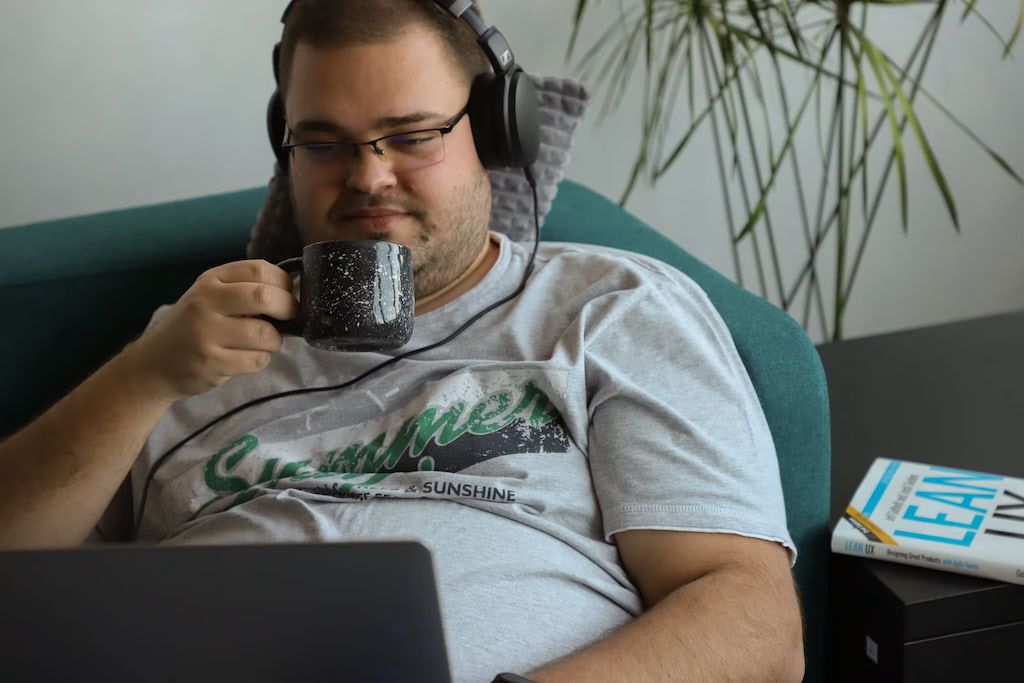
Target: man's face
{"type": "Point", "coordinates": [354, 93]}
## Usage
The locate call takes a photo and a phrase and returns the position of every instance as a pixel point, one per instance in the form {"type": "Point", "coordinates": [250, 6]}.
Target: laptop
{"type": "Point", "coordinates": [300, 612]}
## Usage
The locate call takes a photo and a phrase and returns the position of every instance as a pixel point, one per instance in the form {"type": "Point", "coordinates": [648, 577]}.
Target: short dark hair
{"type": "Point", "coordinates": [337, 23]}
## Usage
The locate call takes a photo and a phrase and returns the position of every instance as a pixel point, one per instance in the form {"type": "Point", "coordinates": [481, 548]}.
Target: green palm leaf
{"type": "Point", "coordinates": [876, 61]}
{"type": "Point", "coordinates": [915, 124]}
{"type": "Point", "coordinates": [1016, 31]}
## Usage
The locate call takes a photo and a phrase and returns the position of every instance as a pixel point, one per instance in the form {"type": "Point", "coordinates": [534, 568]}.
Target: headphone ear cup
{"type": "Point", "coordinates": [523, 109]}
{"type": "Point", "coordinates": [275, 129]}
{"type": "Point", "coordinates": [485, 107]}
{"type": "Point", "coordinates": [505, 116]}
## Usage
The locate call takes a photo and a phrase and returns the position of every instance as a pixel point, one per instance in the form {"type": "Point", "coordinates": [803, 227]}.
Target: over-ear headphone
{"type": "Point", "coordinates": [503, 109]}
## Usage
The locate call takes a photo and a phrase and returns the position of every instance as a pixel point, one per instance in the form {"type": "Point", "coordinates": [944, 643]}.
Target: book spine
{"type": "Point", "coordinates": [950, 561]}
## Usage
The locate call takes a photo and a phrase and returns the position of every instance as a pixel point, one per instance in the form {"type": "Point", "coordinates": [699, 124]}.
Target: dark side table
{"type": "Point", "coordinates": [947, 395]}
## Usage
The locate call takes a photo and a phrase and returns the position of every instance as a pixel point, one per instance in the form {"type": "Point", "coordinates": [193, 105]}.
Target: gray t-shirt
{"type": "Point", "coordinates": [608, 396]}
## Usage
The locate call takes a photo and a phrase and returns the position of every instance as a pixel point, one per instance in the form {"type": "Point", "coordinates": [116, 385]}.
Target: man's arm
{"type": "Point", "coordinates": [721, 607]}
{"type": "Point", "coordinates": [58, 474]}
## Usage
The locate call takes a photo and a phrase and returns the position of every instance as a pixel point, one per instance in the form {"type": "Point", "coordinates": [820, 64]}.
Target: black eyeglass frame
{"type": "Point", "coordinates": [373, 144]}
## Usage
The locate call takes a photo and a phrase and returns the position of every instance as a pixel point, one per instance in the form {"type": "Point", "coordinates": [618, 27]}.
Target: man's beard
{"type": "Point", "coordinates": [439, 255]}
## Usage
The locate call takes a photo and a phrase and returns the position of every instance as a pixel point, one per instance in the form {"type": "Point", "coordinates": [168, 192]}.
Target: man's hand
{"type": "Point", "coordinates": [213, 332]}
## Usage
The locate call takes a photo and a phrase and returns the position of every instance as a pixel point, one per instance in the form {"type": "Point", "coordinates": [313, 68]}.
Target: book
{"type": "Point", "coordinates": [937, 517]}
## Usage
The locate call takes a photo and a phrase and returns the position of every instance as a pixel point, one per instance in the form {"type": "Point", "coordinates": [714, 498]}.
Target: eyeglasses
{"type": "Point", "coordinates": [400, 152]}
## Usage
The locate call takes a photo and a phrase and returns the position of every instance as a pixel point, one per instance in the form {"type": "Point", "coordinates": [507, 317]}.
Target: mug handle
{"type": "Point", "coordinates": [288, 327]}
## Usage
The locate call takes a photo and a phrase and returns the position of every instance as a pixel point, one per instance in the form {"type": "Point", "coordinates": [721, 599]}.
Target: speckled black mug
{"type": "Point", "coordinates": [355, 295]}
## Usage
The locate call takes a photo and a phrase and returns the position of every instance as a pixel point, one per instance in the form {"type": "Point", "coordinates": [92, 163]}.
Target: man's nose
{"type": "Point", "coordinates": [369, 172]}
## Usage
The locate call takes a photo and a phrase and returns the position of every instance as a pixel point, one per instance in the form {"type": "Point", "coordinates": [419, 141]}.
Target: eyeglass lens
{"type": "Point", "coordinates": [405, 152]}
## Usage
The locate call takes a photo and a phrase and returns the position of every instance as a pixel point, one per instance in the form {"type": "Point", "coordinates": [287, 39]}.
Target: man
{"type": "Point", "coordinates": [589, 464]}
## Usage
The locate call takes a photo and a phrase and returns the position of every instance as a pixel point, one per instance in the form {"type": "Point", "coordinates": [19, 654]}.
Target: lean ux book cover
{"type": "Point", "coordinates": [938, 517]}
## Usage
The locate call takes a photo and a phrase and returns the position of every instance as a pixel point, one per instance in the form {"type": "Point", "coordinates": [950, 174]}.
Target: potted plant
{"type": "Point", "coordinates": [732, 63]}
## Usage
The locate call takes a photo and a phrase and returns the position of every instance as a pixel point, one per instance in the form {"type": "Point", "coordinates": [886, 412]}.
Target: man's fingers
{"type": "Point", "coordinates": [253, 270]}
{"type": "Point", "coordinates": [251, 334]}
{"type": "Point", "coordinates": [253, 299]}
{"type": "Point", "coordinates": [245, 362]}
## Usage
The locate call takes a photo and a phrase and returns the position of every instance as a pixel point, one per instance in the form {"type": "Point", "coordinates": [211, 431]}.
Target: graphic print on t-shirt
{"type": "Point", "coordinates": [451, 425]}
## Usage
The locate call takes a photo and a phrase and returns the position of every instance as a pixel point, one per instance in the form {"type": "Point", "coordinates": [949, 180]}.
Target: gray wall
{"type": "Point", "coordinates": [115, 103]}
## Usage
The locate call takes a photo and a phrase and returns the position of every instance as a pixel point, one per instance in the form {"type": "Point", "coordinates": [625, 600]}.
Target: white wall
{"type": "Point", "coordinates": [115, 103]}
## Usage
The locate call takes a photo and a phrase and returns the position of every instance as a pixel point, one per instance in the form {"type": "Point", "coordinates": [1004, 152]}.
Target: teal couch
{"type": "Point", "coordinates": [74, 291]}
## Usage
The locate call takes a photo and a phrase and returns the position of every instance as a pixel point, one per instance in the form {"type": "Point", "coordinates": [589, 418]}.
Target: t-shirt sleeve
{"type": "Point", "coordinates": [677, 438]}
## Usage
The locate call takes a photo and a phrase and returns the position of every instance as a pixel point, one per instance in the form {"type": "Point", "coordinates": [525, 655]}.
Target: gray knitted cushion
{"type": "Point", "coordinates": [562, 103]}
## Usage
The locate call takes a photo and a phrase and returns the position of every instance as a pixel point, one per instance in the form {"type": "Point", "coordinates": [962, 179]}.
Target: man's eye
{"type": "Point", "coordinates": [410, 140]}
{"type": "Point", "coordinates": [325, 149]}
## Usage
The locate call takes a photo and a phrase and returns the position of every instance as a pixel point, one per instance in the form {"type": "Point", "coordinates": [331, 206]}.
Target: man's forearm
{"type": "Point", "coordinates": [725, 626]}
{"type": "Point", "coordinates": [58, 474]}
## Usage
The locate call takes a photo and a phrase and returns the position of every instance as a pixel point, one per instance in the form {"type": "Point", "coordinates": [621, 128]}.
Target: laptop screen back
{"type": "Point", "coordinates": [339, 612]}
